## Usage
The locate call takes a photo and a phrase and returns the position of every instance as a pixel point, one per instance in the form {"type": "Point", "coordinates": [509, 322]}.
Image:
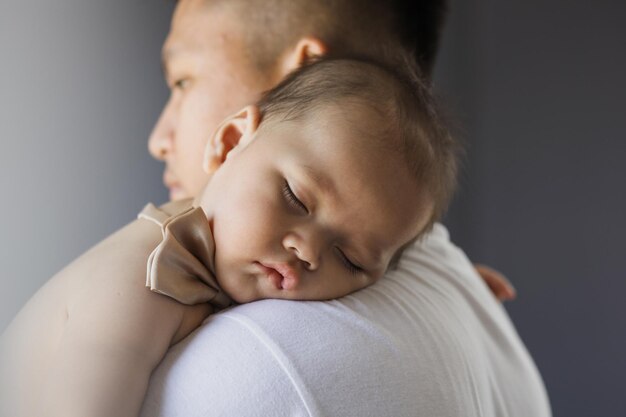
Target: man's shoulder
{"type": "Point", "coordinates": [420, 339]}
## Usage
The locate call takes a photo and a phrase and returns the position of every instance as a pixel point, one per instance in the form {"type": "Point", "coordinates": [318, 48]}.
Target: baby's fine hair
{"type": "Point", "coordinates": [411, 122]}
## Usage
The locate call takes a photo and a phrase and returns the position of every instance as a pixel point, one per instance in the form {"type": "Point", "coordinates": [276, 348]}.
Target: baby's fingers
{"type": "Point", "coordinates": [497, 283]}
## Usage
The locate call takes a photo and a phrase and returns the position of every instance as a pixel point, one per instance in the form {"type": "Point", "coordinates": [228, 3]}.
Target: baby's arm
{"type": "Point", "coordinates": [111, 331]}
{"type": "Point", "coordinates": [116, 333]}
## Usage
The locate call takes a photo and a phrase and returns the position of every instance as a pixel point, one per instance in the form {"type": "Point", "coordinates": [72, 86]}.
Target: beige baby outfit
{"type": "Point", "coordinates": [182, 265]}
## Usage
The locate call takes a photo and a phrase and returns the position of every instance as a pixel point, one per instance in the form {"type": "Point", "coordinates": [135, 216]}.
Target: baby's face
{"type": "Point", "coordinates": [307, 210]}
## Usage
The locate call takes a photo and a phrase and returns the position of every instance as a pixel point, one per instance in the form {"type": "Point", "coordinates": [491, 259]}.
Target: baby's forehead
{"type": "Point", "coordinates": [371, 124]}
{"type": "Point", "coordinates": [353, 135]}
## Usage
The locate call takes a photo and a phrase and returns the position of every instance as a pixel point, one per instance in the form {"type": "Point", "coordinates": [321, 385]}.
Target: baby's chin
{"type": "Point", "coordinates": [249, 295]}
{"type": "Point", "coordinates": [243, 298]}
{"type": "Point", "coordinates": [240, 294]}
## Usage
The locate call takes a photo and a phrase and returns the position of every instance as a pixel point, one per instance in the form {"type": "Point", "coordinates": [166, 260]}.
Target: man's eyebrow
{"type": "Point", "coordinates": [167, 52]}
{"type": "Point", "coordinates": [166, 56]}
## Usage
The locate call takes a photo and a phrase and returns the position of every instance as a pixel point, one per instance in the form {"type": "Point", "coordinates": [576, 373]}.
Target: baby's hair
{"type": "Point", "coordinates": [412, 122]}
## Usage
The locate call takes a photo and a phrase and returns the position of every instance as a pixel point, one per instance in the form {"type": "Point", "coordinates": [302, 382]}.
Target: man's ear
{"type": "Point", "coordinates": [235, 132]}
{"type": "Point", "coordinates": [305, 50]}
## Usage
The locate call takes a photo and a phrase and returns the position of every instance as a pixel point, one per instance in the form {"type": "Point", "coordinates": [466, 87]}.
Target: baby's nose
{"type": "Point", "coordinates": [304, 248]}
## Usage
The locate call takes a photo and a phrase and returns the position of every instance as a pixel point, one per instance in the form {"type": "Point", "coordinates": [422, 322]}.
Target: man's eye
{"type": "Point", "coordinates": [350, 266]}
{"type": "Point", "coordinates": [292, 199]}
{"type": "Point", "coordinates": [180, 84]}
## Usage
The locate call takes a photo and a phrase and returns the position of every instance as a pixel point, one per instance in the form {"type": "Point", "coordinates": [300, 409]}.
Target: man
{"type": "Point", "coordinates": [429, 339]}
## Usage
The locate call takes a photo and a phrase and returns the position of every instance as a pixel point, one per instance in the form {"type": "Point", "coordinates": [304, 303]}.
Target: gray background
{"type": "Point", "coordinates": [537, 88]}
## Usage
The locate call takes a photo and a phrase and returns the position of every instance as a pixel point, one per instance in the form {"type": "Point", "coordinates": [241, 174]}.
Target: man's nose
{"type": "Point", "coordinates": [306, 246]}
{"type": "Point", "coordinates": [161, 140]}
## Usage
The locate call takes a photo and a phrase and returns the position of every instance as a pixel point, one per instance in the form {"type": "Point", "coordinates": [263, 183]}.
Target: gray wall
{"type": "Point", "coordinates": [537, 87]}
{"type": "Point", "coordinates": [80, 87]}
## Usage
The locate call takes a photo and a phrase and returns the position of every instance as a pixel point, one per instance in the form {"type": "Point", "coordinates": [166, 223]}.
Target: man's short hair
{"type": "Point", "coordinates": [409, 121]}
{"type": "Point", "coordinates": [380, 29]}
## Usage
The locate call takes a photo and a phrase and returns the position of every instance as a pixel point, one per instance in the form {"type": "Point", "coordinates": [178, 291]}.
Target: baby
{"type": "Point", "coordinates": [315, 191]}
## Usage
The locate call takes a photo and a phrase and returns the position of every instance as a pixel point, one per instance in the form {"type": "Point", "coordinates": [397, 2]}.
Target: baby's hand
{"type": "Point", "coordinates": [497, 283]}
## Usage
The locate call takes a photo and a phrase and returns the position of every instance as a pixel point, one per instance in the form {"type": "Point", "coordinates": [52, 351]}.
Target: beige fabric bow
{"type": "Point", "coordinates": [182, 265]}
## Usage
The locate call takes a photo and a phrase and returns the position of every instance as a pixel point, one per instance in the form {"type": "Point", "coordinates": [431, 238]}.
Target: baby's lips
{"type": "Point", "coordinates": [290, 275]}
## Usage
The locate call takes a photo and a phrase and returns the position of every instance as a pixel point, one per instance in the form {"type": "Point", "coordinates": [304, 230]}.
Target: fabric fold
{"type": "Point", "coordinates": [182, 264]}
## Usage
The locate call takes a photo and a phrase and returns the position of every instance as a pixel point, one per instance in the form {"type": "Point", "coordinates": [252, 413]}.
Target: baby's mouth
{"type": "Point", "coordinates": [283, 276]}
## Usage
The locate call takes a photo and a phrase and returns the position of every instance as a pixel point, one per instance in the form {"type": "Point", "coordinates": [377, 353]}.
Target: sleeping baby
{"type": "Point", "coordinates": [315, 191]}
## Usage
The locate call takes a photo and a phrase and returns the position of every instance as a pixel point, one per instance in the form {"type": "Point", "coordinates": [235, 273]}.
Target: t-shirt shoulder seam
{"type": "Point", "coordinates": [306, 398]}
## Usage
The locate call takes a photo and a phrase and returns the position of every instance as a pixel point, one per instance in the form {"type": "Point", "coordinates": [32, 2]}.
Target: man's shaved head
{"type": "Point", "coordinates": [222, 54]}
{"type": "Point", "coordinates": [380, 29]}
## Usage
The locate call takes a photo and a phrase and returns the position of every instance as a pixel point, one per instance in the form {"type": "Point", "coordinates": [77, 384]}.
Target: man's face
{"type": "Point", "coordinates": [304, 210]}
{"type": "Point", "coordinates": [209, 78]}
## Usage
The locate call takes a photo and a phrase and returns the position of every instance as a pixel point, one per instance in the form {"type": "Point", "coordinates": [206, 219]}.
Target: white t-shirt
{"type": "Point", "coordinates": [429, 339]}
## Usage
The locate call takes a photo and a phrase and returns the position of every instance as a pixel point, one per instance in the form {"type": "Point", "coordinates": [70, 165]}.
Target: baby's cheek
{"type": "Point", "coordinates": [244, 234]}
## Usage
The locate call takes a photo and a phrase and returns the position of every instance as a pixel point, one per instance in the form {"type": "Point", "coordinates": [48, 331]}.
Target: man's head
{"type": "Point", "coordinates": [318, 186]}
{"type": "Point", "coordinates": [380, 29]}
{"type": "Point", "coordinates": [221, 54]}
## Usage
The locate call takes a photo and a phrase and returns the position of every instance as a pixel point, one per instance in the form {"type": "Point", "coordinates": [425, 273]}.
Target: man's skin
{"type": "Point", "coordinates": [210, 77]}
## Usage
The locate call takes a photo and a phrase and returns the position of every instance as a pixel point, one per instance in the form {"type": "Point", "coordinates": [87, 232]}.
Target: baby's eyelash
{"type": "Point", "coordinates": [351, 266]}
{"type": "Point", "coordinates": [292, 199]}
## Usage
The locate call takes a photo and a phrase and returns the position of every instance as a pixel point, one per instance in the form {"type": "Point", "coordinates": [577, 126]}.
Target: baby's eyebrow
{"type": "Point", "coordinates": [325, 184]}
{"type": "Point", "coordinates": [373, 257]}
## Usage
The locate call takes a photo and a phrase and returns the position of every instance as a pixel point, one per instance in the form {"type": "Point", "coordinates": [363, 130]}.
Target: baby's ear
{"type": "Point", "coordinates": [234, 133]}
